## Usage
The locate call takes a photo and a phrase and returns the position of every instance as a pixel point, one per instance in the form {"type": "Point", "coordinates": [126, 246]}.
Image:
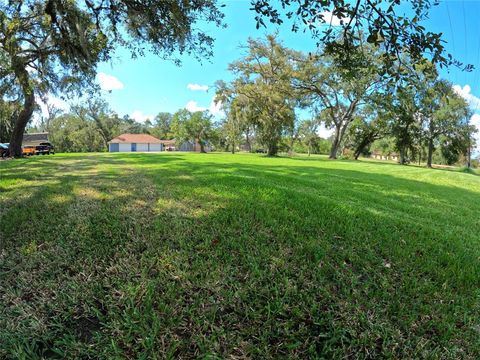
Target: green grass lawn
{"type": "Point", "coordinates": [144, 256]}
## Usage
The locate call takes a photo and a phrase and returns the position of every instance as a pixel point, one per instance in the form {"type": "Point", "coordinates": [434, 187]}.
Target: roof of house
{"type": "Point", "coordinates": [135, 138]}
{"type": "Point", "coordinates": [42, 136]}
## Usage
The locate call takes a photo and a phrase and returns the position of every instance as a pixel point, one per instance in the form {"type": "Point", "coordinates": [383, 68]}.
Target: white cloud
{"type": "Point", "coordinates": [192, 106]}
{"type": "Point", "coordinates": [197, 87]}
{"type": "Point", "coordinates": [139, 116]}
{"type": "Point", "coordinates": [214, 109]}
{"type": "Point", "coordinates": [475, 120]}
{"type": "Point", "coordinates": [323, 132]}
{"type": "Point", "coordinates": [333, 20]}
{"type": "Point", "coordinates": [465, 92]}
{"type": "Point", "coordinates": [474, 102]}
{"type": "Point", "coordinates": [109, 82]}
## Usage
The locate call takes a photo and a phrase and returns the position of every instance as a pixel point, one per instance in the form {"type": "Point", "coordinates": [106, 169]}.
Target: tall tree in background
{"type": "Point", "coordinates": [406, 124]}
{"type": "Point", "coordinates": [52, 112]}
{"type": "Point", "coordinates": [235, 123]}
{"type": "Point", "coordinates": [263, 78]}
{"type": "Point", "coordinates": [71, 133]}
{"type": "Point", "coordinates": [239, 115]}
{"type": "Point", "coordinates": [443, 113]}
{"type": "Point", "coordinates": [337, 93]}
{"type": "Point", "coordinates": [98, 111]}
{"type": "Point", "coordinates": [371, 124]}
{"type": "Point", "coordinates": [51, 46]}
{"type": "Point", "coordinates": [362, 133]}
{"type": "Point", "coordinates": [308, 133]}
{"type": "Point", "coordinates": [162, 126]}
{"type": "Point", "coordinates": [194, 127]}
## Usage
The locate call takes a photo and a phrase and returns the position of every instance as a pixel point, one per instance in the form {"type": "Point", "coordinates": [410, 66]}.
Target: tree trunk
{"type": "Point", "coordinates": [202, 147]}
{"type": "Point", "coordinates": [247, 140]}
{"type": "Point", "coordinates": [359, 148]}
{"type": "Point", "coordinates": [104, 133]}
{"type": "Point", "coordinates": [233, 148]}
{"type": "Point", "coordinates": [25, 114]}
{"type": "Point", "coordinates": [335, 144]}
{"type": "Point", "coordinates": [430, 152]}
{"type": "Point", "coordinates": [290, 147]}
{"type": "Point", "coordinates": [402, 155]}
{"type": "Point", "coordinates": [469, 156]}
{"type": "Point", "coordinates": [308, 149]}
{"type": "Point", "coordinates": [272, 149]}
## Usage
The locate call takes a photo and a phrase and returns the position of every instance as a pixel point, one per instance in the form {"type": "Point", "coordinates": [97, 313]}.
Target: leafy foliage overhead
{"type": "Point", "coordinates": [49, 46]}
{"type": "Point", "coordinates": [384, 23]}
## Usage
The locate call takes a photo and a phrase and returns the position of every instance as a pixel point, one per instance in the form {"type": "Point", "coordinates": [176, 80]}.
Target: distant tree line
{"type": "Point", "coordinates": [89, 126]}
{"type": "Point", "coordinates": [420, 118]}
{"type": "Point", "coordinates": [54, 46]}
{"type": "Point", "coordinates": [367, 80]}
{"type": "Point", "coordinates": [421, 115]}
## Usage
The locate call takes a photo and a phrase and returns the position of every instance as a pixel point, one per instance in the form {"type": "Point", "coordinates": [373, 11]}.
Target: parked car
{"type": "Point", "coordinates": [44, 148]}
{"type": "Point", "coordinates": [260, 151]}
{"type": "Point", "coordinates": [4, 150]}
{"type": "Point", "coordinates": [28, 150]}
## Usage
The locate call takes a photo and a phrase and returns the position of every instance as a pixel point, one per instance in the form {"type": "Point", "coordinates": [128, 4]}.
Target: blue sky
{"type": "Point", "coordinates": [143, 87]}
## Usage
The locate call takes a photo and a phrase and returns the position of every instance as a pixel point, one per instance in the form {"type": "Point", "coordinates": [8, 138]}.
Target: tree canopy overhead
{"type": "Point", "coordinates": [49, 46]}
{"type": "Point", "coordinates": [383, 21]}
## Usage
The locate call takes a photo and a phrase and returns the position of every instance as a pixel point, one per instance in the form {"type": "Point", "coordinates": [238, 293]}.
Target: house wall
{"type": "Point", "coordinates": [155, 147]}
{"type": "Point", "coordinates": [113, 148]}
{"type": "Point", "coordinates": [127, 147]}
{"type": "Point", "coordinates": [142, 147]}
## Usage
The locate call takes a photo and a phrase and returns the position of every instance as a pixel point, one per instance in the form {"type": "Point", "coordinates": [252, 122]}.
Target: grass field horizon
{"type": "Point", "coordinates": [185, 255]}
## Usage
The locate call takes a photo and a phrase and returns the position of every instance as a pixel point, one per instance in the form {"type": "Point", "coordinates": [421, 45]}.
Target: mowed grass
{"type": "Point", "coordinates": [145, 256]}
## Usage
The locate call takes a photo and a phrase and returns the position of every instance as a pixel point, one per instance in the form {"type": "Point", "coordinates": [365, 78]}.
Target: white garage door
{"type": "Point", "coordinates": [155, 147]}
{"type": "Point", "coordinates": [125, 147]}
{"type": "Point", "coordinates": [142, 147]}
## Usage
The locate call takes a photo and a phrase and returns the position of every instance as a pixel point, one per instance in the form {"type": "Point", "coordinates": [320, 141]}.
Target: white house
{"type": "Point", "coordinates": [147, 143]}
{"type": "Point", "coordinates": [135, 142]}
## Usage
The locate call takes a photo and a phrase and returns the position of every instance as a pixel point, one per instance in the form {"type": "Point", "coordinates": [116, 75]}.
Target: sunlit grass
{"type": "Point", "coordinates": [237, 256]}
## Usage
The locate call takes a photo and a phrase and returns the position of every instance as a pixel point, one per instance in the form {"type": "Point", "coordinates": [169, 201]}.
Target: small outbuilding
{"type": "Point", "coordinates": [34, 139]}
{"type": "Point", "coordinates": [134, 143]}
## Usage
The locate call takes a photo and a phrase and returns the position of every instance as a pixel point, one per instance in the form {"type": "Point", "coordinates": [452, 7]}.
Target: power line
{"type": "Point", "coordinates": [476, 78]}
{"type": "Point", "coordinates": [451, 31]}
{"type": "Point", "coordinates": [465, 35]}
{"type": "Point", "coordinates": [451, 27]}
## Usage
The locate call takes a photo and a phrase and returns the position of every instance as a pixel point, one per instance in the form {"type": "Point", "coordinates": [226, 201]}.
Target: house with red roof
{"type": "Point", "coordinates": [149, 143]}
{"type": "Point", "coordinates": [136, 142]}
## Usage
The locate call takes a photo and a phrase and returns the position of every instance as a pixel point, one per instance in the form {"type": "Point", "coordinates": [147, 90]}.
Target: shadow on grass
{"type": "Point", "coordinates": [238, 259]}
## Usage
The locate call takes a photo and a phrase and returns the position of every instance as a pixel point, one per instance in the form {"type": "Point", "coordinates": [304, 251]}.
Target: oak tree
{"type": "Point", "coordinates": [54, 46]}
